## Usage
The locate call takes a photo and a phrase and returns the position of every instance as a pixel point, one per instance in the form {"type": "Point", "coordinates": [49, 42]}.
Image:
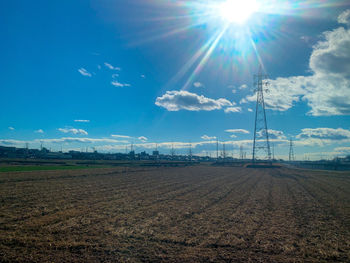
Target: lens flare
{"type": "Point", "coordinates": [236, 11]}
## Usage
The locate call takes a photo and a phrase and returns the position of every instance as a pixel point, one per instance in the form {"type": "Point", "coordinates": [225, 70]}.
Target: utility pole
{"type": "Point", "coordinates": [172, 151]}
{"type": "Point", "coordinates": [261, 143]}
{"type": "Point", "coordinates": [217, 149]}
{"type": "Point", "coordinates": [223, 152]}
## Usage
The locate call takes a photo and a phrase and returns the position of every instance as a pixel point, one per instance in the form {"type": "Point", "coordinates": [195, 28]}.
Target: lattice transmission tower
{"type": "Point", "coordinates": [291, 151]}
{"type": "Point", "coordinates": [261, 145]}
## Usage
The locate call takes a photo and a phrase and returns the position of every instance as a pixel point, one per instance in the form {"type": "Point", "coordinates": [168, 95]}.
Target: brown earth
{"type": "Point", "coordinates": [183, 214]}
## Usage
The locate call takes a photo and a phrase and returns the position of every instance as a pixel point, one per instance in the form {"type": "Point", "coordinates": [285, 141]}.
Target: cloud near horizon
{"type": "Point", "coordinates": [121, 136]}
{"type": "Point", "coordinates": [73, 131]}
{"type": "Point", "coordinates": [322, 136]}
{"type": "Point", "coordinates": [206, 137]}
{"type": "Point", "coordinates": [143, 138]}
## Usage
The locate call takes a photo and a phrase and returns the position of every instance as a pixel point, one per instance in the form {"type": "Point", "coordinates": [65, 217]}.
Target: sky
{"type": "Point", "coordinates": [105, 74]}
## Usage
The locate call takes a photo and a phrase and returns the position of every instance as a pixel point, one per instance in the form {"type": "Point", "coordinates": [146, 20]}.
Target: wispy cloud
{"type": "Point", "coordinates": [84, 72]}
{"type": "Point", "coordinates": [121, 136]}
{"type": "Point", "coordinates": [11, 128]}
{"type": "Point", "coordinates": [110, 66]}
{"type": "Point", "coordinates": [82, 120]}
{"type": "Point", "coordinates": [273, 134]}
{"type": "Point", "coordinates": [342, 150]}
{"type": "Point", "coordinates": [143, 138]}
{"type": "Point", "coordinates": [39, 131]}
{"type": "Point", "coordinates": [206, 137]}
{"type": "Point", "coordinates": [242, 131]}
{"type": "Point", "coordinates": [143, 76]}
{"type": "Point", "coordinates": [344, 18]}
{"type": "Point", "coordinates": [73, 131]}
{"type": "Point", "coordinates": [198, 84]}
{"type": "Point", "coordinates": [119, 84]}
{"type": "Point", "coordinates": [233, 109]}
{"type": "Point", "coordinates": [184, 100]}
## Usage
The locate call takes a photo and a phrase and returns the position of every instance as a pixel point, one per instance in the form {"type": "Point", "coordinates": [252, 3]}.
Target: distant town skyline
{"type": "Point", "coordinates": [107, 74]}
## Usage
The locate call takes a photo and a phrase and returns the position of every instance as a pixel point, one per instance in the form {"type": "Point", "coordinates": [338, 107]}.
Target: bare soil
{"type": "Point", "coordinates": [181, 214]}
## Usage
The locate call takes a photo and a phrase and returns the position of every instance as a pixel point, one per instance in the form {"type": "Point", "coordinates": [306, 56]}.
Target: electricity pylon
{"type": "Point", "coordinates": [261, 145]}
{"type": "Point", "coordinates": [291, 151]}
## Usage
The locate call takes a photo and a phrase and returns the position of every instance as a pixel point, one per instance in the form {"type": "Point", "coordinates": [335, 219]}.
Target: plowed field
{"type": "Point", "coordinates": [181, 214]}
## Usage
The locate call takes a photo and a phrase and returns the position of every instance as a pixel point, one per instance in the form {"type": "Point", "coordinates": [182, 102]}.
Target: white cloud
{"type": "Point", "coordinates": [82, 120]}
{"type": "Point", "coordinates": [344, 18]}
{"type": "Point", "coordinates": [242, 131]}
{"type": "Point", "coordinates": [198, 84]}
{"type": "Point", "coordinates": [39, 131]}
{"type": "Point", "coordinates": [143, 76]}
{"type": "Point", "coordinates": [244, 86]}
{"type": "Point", "coordinates": [250, 110]}
{"type": "Point", "coordinates": [73, 131]}
{"type": "Point", "coordinates": [184, 100]}
{"type": "Point", "coordinates": [80, 140]}
{"type": "Point", "coordinates": [66, 140]}
{"type": "Point", "coordinates": [233, 136]}
{"type": "Point", "coordinates": [327, 89]}
{"type": "Point", "coordinates": [121, 136]}
{"type": "Point", "coordinates": [11, 128]}
{"type": "Point", "coordinates": [324, 134]}
{"type": "Point", "coordinates": [143, 138]}
{"type": "Point", "coordinates": [243, 100]}
{"type": "Point", "coordinates": [206, 137]}
{"type": "Point", "coordinates": [84, 72]}
{"type": "Point", "coordinates": [108, 65]}
{"type": "Point", "coordinates": [342, 150]}
{"type": "Point", "coordinates": [233, 109]}
{"type": "Point", "coordinates": [273, 134]}
{"type": "Point", "coordinates": [119, 84]}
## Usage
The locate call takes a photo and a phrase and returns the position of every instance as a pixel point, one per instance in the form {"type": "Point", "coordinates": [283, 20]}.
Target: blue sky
{"type": "Point", "coordinates": [104, 74]}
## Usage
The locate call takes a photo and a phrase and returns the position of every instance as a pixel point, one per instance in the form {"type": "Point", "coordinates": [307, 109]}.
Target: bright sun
{"type": "Point", "coordinates": [238, 11]}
